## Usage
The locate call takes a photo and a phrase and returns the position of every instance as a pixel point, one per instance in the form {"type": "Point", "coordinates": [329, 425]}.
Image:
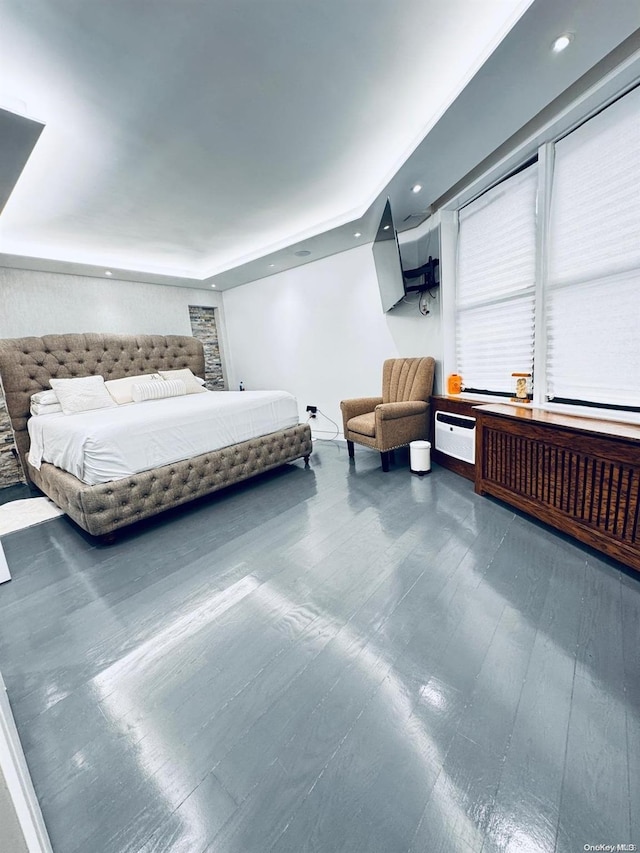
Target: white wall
{"type": "Point", "coordinates": [39, 303]}
{"type": "Point", "coordinates": [318, 331]}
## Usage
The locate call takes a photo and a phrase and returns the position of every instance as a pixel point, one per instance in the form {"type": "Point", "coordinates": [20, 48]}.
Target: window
{"type": "Point", "coordinates": [584, 315]}
{"type": "Point", "coordinates": [593, 289]}
{"type": "Point", "coordinates": [495, 296]}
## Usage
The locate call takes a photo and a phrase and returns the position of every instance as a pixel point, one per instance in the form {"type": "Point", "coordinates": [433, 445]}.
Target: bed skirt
{"type": "Point", "coordinates": [106, 507]}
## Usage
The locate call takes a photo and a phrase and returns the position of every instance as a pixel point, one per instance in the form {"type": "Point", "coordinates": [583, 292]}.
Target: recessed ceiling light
{"type": "Point", "coordinates": [302, 253]}
{"type": "Point", "coordinates": [272, 265]}
{"type": "Point", "coordinates": [357, 234]}
{"type": "Point", "coordinates": [386, 227]}
{"type": "Point", "coordinates": [416, 188]}
{"type": "Point", "coordinates": [562, 42]}
{"type": "Point", "coordinates": [108, 272]}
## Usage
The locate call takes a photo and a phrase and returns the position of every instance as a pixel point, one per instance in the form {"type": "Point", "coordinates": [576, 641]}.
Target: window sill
{"type": "Point", "coordinates": [558, 408]}
{"type": "Point", "coordinates": [596, 414]}
{"type": "Point", "coordinates": [485, 398]}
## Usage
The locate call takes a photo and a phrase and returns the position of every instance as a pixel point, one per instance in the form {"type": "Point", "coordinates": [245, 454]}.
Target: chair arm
{"type": "Point", "coordinates": [391, 411]}
{"type": "Point", "coordinates": [358, 406]}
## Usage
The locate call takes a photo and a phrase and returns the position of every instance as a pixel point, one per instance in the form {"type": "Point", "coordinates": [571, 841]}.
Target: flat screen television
{"type": "Point", "coordinates": [386, 257]}
{"type": "Point", "coordinates": [395, 282]}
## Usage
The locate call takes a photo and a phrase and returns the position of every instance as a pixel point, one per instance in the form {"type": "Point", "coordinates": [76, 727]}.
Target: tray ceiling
{"type": "Point", "coordinates": [186, 140]}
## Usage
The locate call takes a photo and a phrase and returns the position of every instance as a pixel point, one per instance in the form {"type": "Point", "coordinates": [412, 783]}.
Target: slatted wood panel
{"type": "Point", "coordinates": [583, 483]}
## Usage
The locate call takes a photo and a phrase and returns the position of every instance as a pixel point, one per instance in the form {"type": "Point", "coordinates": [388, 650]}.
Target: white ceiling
{"type": "Point", "coordinates": [191, 139]}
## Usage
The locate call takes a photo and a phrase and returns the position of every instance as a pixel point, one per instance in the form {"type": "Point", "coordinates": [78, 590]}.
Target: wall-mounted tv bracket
{"type": "Point", "coordinates": [426, 272]}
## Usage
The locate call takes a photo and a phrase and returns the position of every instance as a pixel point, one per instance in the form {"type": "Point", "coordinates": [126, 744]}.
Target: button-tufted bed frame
{"type": "Point", "coordinates": [27, 365]}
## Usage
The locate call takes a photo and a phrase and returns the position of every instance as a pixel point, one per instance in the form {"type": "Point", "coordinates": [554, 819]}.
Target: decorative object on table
{"type": "Point", "coordinates": [523, 388]}
{"type": "Point", "coordinates": [454, 384]}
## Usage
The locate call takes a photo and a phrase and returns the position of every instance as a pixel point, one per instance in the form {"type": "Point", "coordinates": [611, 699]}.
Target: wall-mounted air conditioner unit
{"type": "Point", "coordinates": [456, 436]}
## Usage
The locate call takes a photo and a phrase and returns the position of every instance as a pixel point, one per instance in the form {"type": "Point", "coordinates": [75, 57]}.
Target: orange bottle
{"type": "Point", "coordinates": [454, 384]}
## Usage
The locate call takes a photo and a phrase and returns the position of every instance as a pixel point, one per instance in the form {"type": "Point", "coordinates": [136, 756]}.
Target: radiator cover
{"type": "Point", "coordinates": [576, 476]}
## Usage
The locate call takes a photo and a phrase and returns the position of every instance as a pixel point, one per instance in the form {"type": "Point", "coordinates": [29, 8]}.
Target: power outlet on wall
{"type": "Point", "coordinates": [312, 410]}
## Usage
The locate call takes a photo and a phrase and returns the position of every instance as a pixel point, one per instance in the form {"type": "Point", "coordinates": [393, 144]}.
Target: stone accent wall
{"type": "Point", "coordinates": [10, 470]}
{"type": "Point", "coordinates": [204, 328]}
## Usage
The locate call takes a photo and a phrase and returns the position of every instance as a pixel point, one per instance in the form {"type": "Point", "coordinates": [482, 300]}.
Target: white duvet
{"type": "Point", "coordinates": [110, 444]}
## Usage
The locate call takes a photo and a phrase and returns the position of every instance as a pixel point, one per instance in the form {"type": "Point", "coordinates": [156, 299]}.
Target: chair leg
{"type": "Point", "coordinates": [350, 449]}
{"type": "Point", "coordinates": [385, 460]}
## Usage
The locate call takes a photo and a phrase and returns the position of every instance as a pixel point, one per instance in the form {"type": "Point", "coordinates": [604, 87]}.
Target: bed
{"type": "Point", "coordinates": [28, 364]}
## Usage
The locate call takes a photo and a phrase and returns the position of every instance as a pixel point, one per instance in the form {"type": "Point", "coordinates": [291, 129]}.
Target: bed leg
{"type": "Point", "coordinates": [306, 460]}
{"type": "Point", "coordinates": [108, 538]}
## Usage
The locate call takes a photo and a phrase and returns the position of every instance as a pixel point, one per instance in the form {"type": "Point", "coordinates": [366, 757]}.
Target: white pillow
{"type": "Point", "coordinates": [44, 398]}
{"type": "Point", "coordinates": [82, 394]}
{"type": "Point", "coordinates": [191, 381]}
{"type": "Point", "coordinates": [120, 389]}
{"type": "Point", "coordinates": [45, 408]}
{"type": "Point", "coordinates": [158, 390]}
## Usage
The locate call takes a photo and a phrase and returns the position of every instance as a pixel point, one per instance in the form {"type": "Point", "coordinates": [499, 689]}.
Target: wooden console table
{"type": "Point", "coordinates": [580, 475]}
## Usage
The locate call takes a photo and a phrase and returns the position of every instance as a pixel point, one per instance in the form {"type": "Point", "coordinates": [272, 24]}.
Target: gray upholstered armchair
{"type": "Point", "coordinates": [401, 415]}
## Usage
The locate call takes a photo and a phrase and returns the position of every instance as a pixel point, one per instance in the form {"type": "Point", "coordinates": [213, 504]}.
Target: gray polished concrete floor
{"type": "Point", "coordinates": [331, 659]}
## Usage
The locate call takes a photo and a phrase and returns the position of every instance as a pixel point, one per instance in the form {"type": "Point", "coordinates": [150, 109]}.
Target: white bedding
{"type": "Point", "coordinates": [110, 444]}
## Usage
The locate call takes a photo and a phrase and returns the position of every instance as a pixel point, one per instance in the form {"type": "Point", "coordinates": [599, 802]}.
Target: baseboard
{"type": "Point", "coordinates": [18, 781]}
{"type": "Point", "coordinates": [5, 574]}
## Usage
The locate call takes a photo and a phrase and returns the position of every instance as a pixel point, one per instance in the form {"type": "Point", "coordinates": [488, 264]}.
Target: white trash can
{"type": "Point", "coordinates": [420, 457]}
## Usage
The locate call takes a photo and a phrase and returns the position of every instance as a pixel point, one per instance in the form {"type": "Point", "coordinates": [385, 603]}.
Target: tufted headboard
{"type": "Point", "coordinates": [27, 365]}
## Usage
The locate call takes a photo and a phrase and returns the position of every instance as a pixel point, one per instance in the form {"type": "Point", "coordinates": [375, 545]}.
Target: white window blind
{"type": "Point", "coordinates": [495, 292]}
{"type": "Point", "coordinates": [593, 289]}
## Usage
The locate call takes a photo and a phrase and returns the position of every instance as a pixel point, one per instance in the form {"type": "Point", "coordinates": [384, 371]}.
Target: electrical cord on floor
{"type": "Point", "coordinates": [333, 437]}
